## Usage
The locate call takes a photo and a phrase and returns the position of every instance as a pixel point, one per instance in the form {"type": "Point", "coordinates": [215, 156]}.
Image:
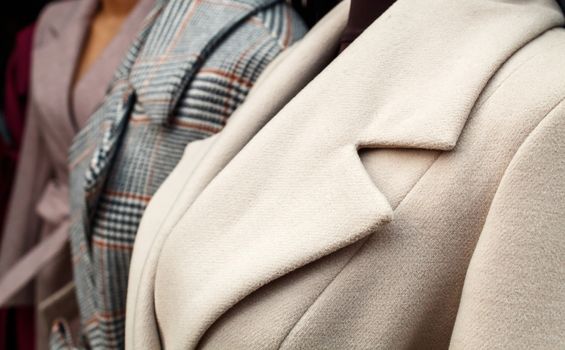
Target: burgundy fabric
{"type": "Point", "coordinates": [16, 324]}
{"type": "Point", "coordinates": [15, 104]}
{"type": "Point", "coordinates": [17, 328]}
{"type": "Point", "coordinates": [361, 14]}
{"type": "Point", "coordinates": [24, 317]}
{"type": "Point", "coordinates": [17, 85]}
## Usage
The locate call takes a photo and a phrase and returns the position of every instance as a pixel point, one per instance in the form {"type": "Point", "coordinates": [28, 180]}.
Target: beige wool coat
{"type": "Point", "coordinates": [409, 194]}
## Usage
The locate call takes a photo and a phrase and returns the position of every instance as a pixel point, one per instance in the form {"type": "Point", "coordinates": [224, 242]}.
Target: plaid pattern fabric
{"type": "Point", "coordinates": [61, 338]}
{"type": "Point", "coordinates": [189, 69]}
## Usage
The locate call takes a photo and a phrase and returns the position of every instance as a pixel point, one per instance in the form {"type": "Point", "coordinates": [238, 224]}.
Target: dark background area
{"type": "Point", "coordinates": [14, 16]}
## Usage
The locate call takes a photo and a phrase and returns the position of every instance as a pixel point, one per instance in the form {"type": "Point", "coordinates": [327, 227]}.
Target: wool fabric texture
{"type": "Point", "coordinates": [407, 195]}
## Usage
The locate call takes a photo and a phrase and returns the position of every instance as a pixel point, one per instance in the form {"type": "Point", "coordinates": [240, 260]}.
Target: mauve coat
{"type": "Point", "coordinates": [38, 214]}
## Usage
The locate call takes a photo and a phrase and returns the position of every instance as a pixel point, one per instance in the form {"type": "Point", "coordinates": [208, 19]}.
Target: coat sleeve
{"type": "Point", "coordinates": [514, 291]}
{"type": "Point", "coordinates": [21, 229]}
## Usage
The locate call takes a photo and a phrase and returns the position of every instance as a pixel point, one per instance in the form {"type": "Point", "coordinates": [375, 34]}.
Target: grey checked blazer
{"type": "Point", "coordinates": [190, 68]}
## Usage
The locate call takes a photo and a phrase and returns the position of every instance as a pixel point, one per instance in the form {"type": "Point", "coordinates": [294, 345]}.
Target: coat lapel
{"type": "Point", "coordinates": [105, 128]}
{"type": "Point", "coordinates": [103, 69]}
{"type": "Point", "coordinates": [417, 86]}
{"type": "Point", "coordinates": [184, 37]}
{"type": "Point", "coordinates": [277, 86]}
{"type": "Point", "coordinates": [170, 53]}
{"type": "Point", "coordinates": [66, 45]}
{"type": "Point", "coordinates": [298, 191]}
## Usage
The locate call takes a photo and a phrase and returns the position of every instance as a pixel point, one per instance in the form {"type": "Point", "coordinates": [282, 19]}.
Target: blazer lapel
{"type": "Point", "coordinates": [298, 191]}
{"type": "Point", "coordinates": [106, 126]}
{"type": "Point", "coordinates": [167, 55]}
{"type": "Point", "coordinates": [184, 38]}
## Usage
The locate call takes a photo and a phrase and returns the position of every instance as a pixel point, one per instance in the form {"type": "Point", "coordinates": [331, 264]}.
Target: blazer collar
{"type": "Point", "coordinates": [175, 51]}
{"type": "Point", "coordinates": [298, 191]}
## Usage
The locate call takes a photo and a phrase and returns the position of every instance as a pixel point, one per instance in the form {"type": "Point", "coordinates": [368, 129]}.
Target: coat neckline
{"type": "Point", "coordinates": [66, 44]}
{"type": "Point", "coordinates": [417, 71]}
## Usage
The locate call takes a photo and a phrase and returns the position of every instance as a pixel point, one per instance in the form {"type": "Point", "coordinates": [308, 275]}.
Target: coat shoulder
{"type": "Point", "coordinates": [52, 19]}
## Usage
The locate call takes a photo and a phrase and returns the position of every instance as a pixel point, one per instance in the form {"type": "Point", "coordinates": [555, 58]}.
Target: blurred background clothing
{"type": "Point", "coordinates": [16, 323]}
{"type": "Point", "coordinates": [15, 16]}
{"type": "Point", "coordinates": [13, 117]}
{"type": "Point", "coordinates": [34, 247]}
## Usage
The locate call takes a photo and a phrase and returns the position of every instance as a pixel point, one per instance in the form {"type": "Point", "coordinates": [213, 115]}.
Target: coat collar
{"type": "Point", "coordinates": [413, 77]}
{"type": "Point", "coordinates": [298, 191]}
{"type": "Point", "coordinates": [65, 44]}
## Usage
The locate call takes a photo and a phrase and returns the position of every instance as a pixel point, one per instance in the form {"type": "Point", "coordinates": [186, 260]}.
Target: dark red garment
{"type": "Point", "coordinates": [17, 325]}
{"type": "Point", "coordinates": [361, 14]}
{"type": "Point", "coordinates": [17, 84]}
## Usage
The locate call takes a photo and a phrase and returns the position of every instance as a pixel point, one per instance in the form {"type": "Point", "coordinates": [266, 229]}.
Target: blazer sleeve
{"type": "Point", "coordinates": [21, 229]}
{"type": "Point", "coordinates": [514, 291]}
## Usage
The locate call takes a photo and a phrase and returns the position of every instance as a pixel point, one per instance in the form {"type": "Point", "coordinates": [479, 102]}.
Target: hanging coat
{"type": "Point", "coordinates": [410, 195]}
{"type": "Point", "coordinates": [35, 266]}
{"type": "Point", "coordinates": [16, 94]}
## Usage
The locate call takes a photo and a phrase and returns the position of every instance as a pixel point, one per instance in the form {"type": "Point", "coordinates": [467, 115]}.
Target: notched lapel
{"type": "Point", "coordinates": [417, 71]}
{"type": "Point", "coordinates": [296, 193]}
{"type": "Point", "coordinates": [305, 208]}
